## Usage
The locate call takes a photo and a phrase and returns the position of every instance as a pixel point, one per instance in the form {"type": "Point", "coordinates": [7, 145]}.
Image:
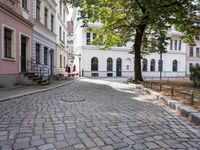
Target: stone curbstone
{"type": "Point", "coordinates": [186, 111]}
{"type": "Point", "coordinates": [172, 103]}
{"type": "Point", "coordinates": [36, 91]}
{"type": "Point", "coordinates": [195, 118]}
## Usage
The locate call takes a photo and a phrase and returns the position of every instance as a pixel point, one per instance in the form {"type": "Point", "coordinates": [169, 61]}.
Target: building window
{"type": "Point", "coordinates": [190, 66]}
{"type": "Point", "coordinates": [191, 52]}
{"type": "Point", "coordinates": [38, 10]}
{"type": "Point", "coordinates": [60, 7]}
{"type": "Point", "coordinates": [197, 37]}
{"type": "Point", "coordinates": [63, 15]}
{"type": "Point", "coordinates": [88, 38]}
{"type": "Point", "coordinates": [144, 65]}
{"type": "Point", "coordinates": [180, 45]}
{"type": "Point", "coordinates": [171, 44]}
{"type": "Point", "coordinates": [60, 34]}
{"type": "Point", "coordinates": [153, 65]}
{"type": "Point", "coordinates": [160, 65]}
{"type": "Point", "coordinates": [94, 36]}
{"type": "Point", "coordinates": [46, 17]}
{"type": "Point", "coordinates": [63, 37]}
{"type": "Point", "coordinates": [94, 64]}
{"type": "Point", "coordinates": [109, 64]}
{"type": "Point", "coordinates": [64, 62]}
{"type": "Point", "coordinates": [45, 55]}
{"type": "Point", "coordinates": [197, 65]}
{"type": "Point", "coordinates": [8, 44]}
{"type": "Point", "coordinates": [197, 52]}
{"type": "Point", "coordinates": [94, 74]}
{"type": "Point", "coordinates": [175, 66]}
{"type": "Point", "coordinates": [52, 23]}
{"type": "Point", "coordinates": [25, 4]}
{"type": "Point", "coordinates": [175, 44]}
{"type": "Point", "coordinates": [109, 74]}
{"type": "Point", "coordinates": [60, 61]}
{"type": "Point", "coordinates": [37, 53]}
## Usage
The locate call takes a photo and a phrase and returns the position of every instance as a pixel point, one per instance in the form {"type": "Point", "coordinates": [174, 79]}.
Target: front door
{"type": "Point", "coordinates": [119, 68]}
{"type": "Point", "coordinates": [51, 61]}
{"type": "Point", "coordinates": [23, 54]}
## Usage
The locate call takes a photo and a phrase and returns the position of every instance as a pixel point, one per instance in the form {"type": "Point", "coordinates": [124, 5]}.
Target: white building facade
{"type": "Point", "coordinates": [193, 55]}
{"type": "Point", "coordinates": [118, 62]}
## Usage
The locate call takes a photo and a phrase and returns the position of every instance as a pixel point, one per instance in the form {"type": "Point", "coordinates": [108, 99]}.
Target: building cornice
{"type": "Point", "coordinates": [37, 23]}
{"type": "Point", "coordinates": [44, 37]}
{"type": "Point", "coordinates": [92, 47]}
{"type": "Point", "coordinates": [15, 15]}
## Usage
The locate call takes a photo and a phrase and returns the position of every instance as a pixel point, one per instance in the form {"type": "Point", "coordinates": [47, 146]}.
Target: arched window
{"type": "Point", "coordinates": [175, 66]}
{"type": "Point", "coordinates": [94, 64]}
{"type": "Point", "coordinates": [160, 65]}
{"type": "Point", "coordinates": [153, 65]}
{"type": "Point", "coordinates": [197, 65]}
{"type": "Point", "coordinates": [144, 68]}
{"type": "Point", "coordinates": [109, 64]}
{"type": "Point", "coordinates": [119, 67]}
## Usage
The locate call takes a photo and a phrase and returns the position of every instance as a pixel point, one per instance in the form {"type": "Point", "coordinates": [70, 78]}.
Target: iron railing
{"type": "Point", "coordinates": [37, 68]}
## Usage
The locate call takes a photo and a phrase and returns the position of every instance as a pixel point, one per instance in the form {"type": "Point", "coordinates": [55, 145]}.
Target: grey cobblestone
{"type": "Point", "coordinates": [113, 116]}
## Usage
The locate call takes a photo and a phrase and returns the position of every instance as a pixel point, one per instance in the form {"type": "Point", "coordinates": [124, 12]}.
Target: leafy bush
{"type": "Point", "coordinates": [195, 75]}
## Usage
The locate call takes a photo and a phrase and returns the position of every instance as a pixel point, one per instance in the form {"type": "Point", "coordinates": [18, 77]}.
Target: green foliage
{"type": "Point", "coordinates": [195, 75]}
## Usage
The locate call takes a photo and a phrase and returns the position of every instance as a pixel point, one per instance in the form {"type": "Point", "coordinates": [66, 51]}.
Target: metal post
{"type": "Point", "coordinates": [161, 68]}
{"type": "Point", "coordinates": [79, 66]}
{"type": "Point", "coordinates": [172, 91]}
{"type": "Point", "coordinates": [192, 97]}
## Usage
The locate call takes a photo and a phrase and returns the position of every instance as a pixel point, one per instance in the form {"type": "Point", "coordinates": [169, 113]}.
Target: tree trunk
{"type": "Point", "coordinates": [137, 48]}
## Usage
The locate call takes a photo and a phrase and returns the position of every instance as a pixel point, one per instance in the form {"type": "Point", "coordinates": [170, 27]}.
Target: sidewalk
{"type": "Point", "coordinates": [19, 91]}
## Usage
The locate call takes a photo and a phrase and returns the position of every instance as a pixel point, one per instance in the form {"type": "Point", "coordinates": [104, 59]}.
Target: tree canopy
{"type": "Point", "coordinates": [145, 23]}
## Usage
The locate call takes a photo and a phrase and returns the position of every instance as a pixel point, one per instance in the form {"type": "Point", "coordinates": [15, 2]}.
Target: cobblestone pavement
{"type": "Point", "coordinates": [93, 114]}
{"type": "Point", "coordinates": [16, 90]}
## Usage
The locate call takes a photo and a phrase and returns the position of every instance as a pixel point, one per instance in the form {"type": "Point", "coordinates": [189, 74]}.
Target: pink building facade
{"type": "Point", "coordinates": [16, 31]}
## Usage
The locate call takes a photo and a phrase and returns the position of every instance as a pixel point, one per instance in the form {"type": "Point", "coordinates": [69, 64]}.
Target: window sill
{"type": "Point", "coordinates": [9, 59]}
{"type": "Point", "coordinates": [26, 10]}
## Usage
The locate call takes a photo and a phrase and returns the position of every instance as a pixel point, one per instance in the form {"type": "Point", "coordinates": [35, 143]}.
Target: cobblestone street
{"type": "Point", "coordinates": [93, 114]}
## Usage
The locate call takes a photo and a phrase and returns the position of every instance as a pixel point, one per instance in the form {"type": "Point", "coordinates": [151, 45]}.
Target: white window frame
{"type": "Point", "coordinates": [28, 6]}
{"type": "Point", "coordinates": [13, 52]}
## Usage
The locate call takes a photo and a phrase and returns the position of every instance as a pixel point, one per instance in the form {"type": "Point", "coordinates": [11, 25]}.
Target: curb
{"type": "Point", "coordinates": [186, 111]}
{"type": "Point", "coordinates": [36, 91]}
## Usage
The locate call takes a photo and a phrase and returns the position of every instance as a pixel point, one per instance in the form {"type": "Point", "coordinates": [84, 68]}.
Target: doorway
{"type": "Point", "coordinates": [52, 62]}
{"type": "Point", "coordinates": [119, 67]}
{"type": "Point", "coordinates": [23, 53]}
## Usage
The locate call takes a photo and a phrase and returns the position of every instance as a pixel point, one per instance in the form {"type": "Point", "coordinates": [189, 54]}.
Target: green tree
{"type": "Point", "coordinates": [195, 75]}
{"type": "Point", "coordinates": [145, 22]}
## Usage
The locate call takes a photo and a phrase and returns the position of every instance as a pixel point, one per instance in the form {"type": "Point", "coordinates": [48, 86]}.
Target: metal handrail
{"type": "Point", "coordinates": [38, 69]}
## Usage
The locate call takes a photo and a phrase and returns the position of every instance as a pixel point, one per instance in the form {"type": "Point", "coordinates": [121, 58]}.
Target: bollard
{"type": "Point", "coordinates": [172, 91]}
{"type": "Point", "coordinates": [192, 97]}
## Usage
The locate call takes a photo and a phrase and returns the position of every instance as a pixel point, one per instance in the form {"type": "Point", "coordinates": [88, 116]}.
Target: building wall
{"type": "Point", "coordinates": [88, 53]}
{"type": "Point", "coordinates": [194, 60]}
{"type": "Point", "coordinates": [61, 44]}
{"type": "Point", "coordinates": [12, 20]}
{"type": "Point", "coordinates": [43, 35]}
{"type": "Point", "coordinates": [44, 42]}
